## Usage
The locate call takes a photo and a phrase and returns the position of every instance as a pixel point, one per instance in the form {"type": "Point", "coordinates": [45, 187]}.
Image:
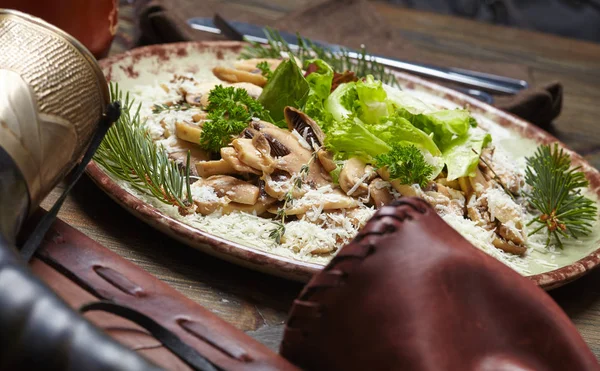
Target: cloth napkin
{"type": "Point", "coordinates": [351, 23]}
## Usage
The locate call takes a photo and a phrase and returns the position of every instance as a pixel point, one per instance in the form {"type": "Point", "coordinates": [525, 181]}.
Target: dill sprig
{"type": "Point", "coordinates": [556, 194]}
{"type": "Point", "coordinates": [297, 181]}
{"type": "Point", "coordinates": [340, 61]}
{"type": "Point", "coordinates": [128, 153]}
{"type": "Point", "coordinates": [158, 108]}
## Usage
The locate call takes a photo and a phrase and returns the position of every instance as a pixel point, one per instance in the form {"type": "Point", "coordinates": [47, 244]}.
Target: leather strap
{"type": "Point", "coordinates": [186, 353]}
{"type": "Point", "coordinates": [111, 115]}
{"type": "Point", "coordinates": [82, 271]}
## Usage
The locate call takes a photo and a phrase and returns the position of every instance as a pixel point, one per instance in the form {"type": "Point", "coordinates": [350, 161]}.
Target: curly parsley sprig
{"type": "Point", "coordinates": [556, 194]}
{"type": "Point", "coordinates": [229, 111]}
{"type": "Point", "coordinates": [407, 164]}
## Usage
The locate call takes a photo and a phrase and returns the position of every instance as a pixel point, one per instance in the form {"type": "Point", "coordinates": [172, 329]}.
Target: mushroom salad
{"type": "Point", "coordinates": [297, 157]}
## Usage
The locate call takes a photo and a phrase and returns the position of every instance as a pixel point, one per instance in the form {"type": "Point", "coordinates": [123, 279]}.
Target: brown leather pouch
{"type": "Point", "coordinates": [410, 293]}
{"type": "Point", "coordinates": [81, 271]}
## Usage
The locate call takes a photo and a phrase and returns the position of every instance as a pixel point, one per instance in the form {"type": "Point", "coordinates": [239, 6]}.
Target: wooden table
{"type": "Point", "coordinates": [257, 303]}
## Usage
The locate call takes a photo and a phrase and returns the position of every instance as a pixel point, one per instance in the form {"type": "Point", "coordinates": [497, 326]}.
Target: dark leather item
{"type": "Point", "coordinates": [14, 198]}
{"type": "Point", "coordinates": [39, 331]}
{"type": "Point", "coordinates": [82, 271]}
{"type": "Point", "coordinates": [410, 293]}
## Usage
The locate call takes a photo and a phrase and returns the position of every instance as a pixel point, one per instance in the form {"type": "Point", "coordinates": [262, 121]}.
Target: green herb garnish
{"type": "Point", "coordinates": [297, 181]}
{"type": "Point", "coordinates": [158, 108]}
{"type": "Point", "coordinates": [229, 111]}
{"type": "Point", "coordinates": [128, 153]}
{"type": "Point", "coordinates": [307, 50]}
{"type": "Point", "coordinates": [407, 164]}
{"type": "Point", "coordinates": [556, 194]}
{"type": "Point", "coordinates": [265, 69]}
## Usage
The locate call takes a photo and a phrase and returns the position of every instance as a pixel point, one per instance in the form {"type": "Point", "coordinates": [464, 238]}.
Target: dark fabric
{"type": "Point", "coordinates": [410, 293]}
{"type": "Point", "coordinates": [540, 106]}
{"type": "Point", "coordinates": [162, 21]}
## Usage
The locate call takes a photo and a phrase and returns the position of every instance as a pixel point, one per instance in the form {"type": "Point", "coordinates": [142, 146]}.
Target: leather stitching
{"type": "Point", "coordinates": [385, 221]}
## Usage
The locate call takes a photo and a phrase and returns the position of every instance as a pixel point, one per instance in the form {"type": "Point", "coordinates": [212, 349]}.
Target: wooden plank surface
{"type": "Point", "coordinates": [258, 303]}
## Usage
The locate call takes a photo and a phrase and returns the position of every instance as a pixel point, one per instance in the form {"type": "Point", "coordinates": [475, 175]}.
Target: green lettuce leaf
{"type": "Point", "coordinates": [444, 125]}
{"type": "Point", "coordinates": [287, 87]}
{"type": "Point", "coordinates": [319, 83]}
{"type": "Point", "coordinates": [352, 138]}
{"type": "Point", "coordinates": [462, 154]}
{"type": "Point", "coordinates": [340, 103]}
{"type": "Point", "coordinates": [401, 99]}
{"type": "Point", "coordinates": [372, 99]}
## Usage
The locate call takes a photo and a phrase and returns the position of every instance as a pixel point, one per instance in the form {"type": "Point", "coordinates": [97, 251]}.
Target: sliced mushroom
{"type": "Point", "coordinates": [189, 133]}
{"type": "Point", "coordinates": [179, 150]}
{"type": "Point", "coordinates": [403, 189]}
{"type": "Point", "coordinates": [326, 160]}
{"type": "Point", "coordinates": [229, 154]}
{"type": "Point", "coordinates": [355, 176]}
{"type": "Point", "coordinates": [291, 163]}
{"type": "Point", "coordinates": [249, 65]}
{"type": "Point", "coordinates": [278, 185]}
{"type": "Point", "coordinates": [509, 247]}
{"type": "Point", "coordinates": [477, 211]}
{"type": "Point", "coordinates": [198, 95]}
{"type": "Point", "coordinates": [250, 155]}
{"type": "Point", "coordinates": [259, 208]}
{"type": "Point", "coordinates": [200, 116]}
{"type": "Point", "coordinates": [304, 125]}
{"type": "Point", "coordinates": [253, 90]}
{"type": "Point", "coordinates": [479, 183]}
{"type": "Point", "coordinates": [448, 183]}
{"type": "Point", "coordinates": [235, 189]}
{"type": "Point", "coordinates": [380, 192]}
{"type": "Point", "coordinates": [511, 234]}
{"type": "Point", "coordinates": [233, 75]}
{"type": "Point", "coordinates": [327, 201]}
{"type": "Point", "coordinates": [210, 168]}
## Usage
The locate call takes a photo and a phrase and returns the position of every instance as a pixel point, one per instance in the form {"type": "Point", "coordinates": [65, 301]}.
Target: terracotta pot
{"type": "Point", "coordinates": [92, 22]}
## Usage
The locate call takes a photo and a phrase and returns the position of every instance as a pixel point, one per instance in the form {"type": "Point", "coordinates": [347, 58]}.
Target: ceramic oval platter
{"type": "Point", "coordinates": [150, 65]}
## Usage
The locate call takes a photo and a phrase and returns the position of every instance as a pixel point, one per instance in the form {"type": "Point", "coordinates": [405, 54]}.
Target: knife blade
{"type": "Point", "coordinates": [488, 82]}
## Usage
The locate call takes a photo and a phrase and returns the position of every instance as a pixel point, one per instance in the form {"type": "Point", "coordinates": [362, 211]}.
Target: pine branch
{"type": "Point", "coordinates": [556, 193]}
{"type": "Point", "coordinates": [307, 49]}
{"type": "Point", "coordinates": [128, 153]}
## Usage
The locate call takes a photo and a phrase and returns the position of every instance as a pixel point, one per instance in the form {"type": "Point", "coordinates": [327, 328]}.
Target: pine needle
{"type": "Point", "coordinates": [556, 194]}
{"type": "Point", "coordinates": [128, 153]}
{"type": "Point", "coordinates": [307, 50]}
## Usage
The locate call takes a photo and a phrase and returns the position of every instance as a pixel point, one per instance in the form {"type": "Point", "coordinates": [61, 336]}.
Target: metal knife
{"type": "Point", "coordinates": [488, 82]}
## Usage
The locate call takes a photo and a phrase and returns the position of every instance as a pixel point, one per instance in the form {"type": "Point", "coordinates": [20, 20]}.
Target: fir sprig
{"type": "Point", "coordinates": [556, 194]}
{"type": "Point", "coordinates": [340, 61]}
{"type": "Point", "coordinates": [128, 153]}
